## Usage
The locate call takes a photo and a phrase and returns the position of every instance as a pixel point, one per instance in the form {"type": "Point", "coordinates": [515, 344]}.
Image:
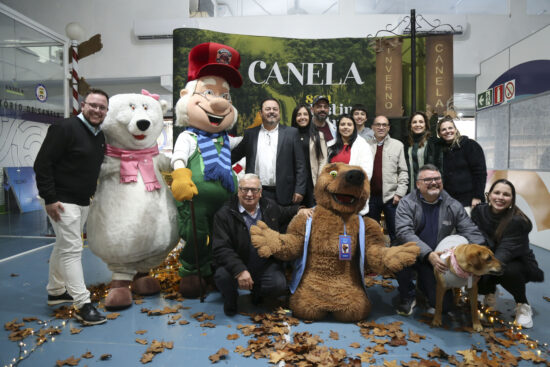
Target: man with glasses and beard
{"type": "Point", "coordinates": [427, 216]}
{"type": "Point", "coordinates": [67, 169]}
{"type": "Point", "coordinates": [237, 263]}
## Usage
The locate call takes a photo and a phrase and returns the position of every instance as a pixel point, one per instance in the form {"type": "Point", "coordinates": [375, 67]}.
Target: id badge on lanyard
{"type": "Point", "coordinates": [344, 246]}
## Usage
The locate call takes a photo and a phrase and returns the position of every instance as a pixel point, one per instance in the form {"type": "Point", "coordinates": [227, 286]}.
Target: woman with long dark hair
{"type": "Point", "coordinates": [462, 164]}
{"type": "Point", "coordinates": [348, 148]}
{"type": "Point", "coordinates": [314, 146]}
{"type": "Point", "coordinates": [420, 148]}
{"type": "Point", "coordinates": [506, 229]}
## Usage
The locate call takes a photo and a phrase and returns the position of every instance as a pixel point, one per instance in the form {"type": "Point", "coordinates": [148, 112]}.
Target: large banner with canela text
{"type": "Point", "coordinates": [296, 70]}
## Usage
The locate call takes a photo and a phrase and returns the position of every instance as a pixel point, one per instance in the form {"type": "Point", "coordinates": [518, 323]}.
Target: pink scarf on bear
{"type": "Point", "coordinates": [133, 160]}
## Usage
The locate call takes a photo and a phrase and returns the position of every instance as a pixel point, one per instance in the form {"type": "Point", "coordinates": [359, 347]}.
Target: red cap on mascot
{"type": "Point", "coordinates": [215, 59]}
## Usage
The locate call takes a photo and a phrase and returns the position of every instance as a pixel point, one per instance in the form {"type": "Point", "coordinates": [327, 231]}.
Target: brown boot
{"type": "Point", "coordinates": [119, 296]}
{"type": "Point", "coordinates": [190, 286]}
{"type": "Point", "coordinates": [145, 285]}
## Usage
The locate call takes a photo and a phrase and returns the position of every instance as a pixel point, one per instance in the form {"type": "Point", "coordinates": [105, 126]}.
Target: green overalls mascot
{"type": "Point", "coordinates": [202, 158]}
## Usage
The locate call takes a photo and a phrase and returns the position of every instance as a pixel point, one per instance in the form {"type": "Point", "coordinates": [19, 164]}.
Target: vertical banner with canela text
{"type": "Point", "coordinates": [439, 73]}
{"type": "Point", "coordinates": [389, 77]}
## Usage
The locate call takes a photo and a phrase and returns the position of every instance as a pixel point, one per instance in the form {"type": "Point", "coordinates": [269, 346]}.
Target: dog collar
{"type": "Point", "coordinates": [459, 271]}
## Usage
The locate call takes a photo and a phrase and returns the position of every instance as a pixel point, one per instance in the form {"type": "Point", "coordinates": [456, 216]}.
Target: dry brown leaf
{"type": "Point", "coordinates": [276, 357]}
{"type": "Point", "coordinates": [112, 316]}
{"type": "Point", "coordinates": [183, 322]}
{"type": "Point", "coordinates": [141, 332]}
{"type": "Point", "coordinates": [146, 357]}
{"type": "Point", "coordinates": [141, 341]}
{"type": "Point", "coordinates": [355, 345]}
{"type": "Point", "coordinates": [395, 342]}
{"type": "Point", "coordinates": [138, 301]}
{"type": "Point", "coordinates": [208, 324]}
{"type": "Point", "coordinates": [220, 354]}
{"type": "Point", "coordinates": [379, 348]}
{"type": "Point", "coordinates": [20, 334]}
{"type": "Point", "coordinates": [175, 317]}
{"type": "Point", "coordinates": [334, 335]}
{"type": "Point", "coordinates": [391, 363]}
{"type": "Point", "coordinates": [155, 347]}
{"type": "Point", "coordinates": [531, 356]}
{"type": "Point", "coordinates": [438, 353]}
{"type": "Point", "coordinates": [469, 355]}
{"type": "Point", "coordinates": [13, 325]}
{"type": "Point", "coordinates": [232, 336]}
{"type": "Point", "coordinates": [415, 338]}
{"type": "Point", "coordinates": [87, 355]}
{"type": "Point", "coordinates": [30, 319]}
{"type": "Point", "coordinates": [202, 316]}
{"type": "Point", "coordinates": [71, 361]}
{"type": "Point", "coordinates": [75, 330]}
{"type": "Point", "coordinates": [168, 345]}
{"type": "Point", "coordinates": [105, 357]}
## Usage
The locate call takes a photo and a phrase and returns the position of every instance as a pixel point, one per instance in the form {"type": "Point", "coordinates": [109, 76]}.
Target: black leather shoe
{"type": "Point", "coordinates": [229, 308]}
{"type": "Point", "coordinates": [256, 298]}
{"type": "Point", "coordinates": [88, 315]}
{"type": "Point", "coordinates": [57, 300]}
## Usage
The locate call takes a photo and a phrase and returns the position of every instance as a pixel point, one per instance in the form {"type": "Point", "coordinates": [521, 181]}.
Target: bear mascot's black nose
{"type": "Point", "coordinates": [355, 177]}
{"type": "Point", "coordinates": [143, 124]}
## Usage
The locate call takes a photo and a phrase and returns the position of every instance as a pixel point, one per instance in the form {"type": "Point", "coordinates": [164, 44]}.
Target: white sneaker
{"type": "Point", "coordinates": [490, 301]}
{"type": "Point", "coordinates": [524, 315]}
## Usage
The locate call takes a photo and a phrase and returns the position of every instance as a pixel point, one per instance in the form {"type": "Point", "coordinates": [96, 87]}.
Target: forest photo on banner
{"type": "Point", "coordinates": [293, 71]}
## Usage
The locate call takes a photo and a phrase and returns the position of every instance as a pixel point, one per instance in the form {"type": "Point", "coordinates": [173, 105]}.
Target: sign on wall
{"type": "Point", "coordinates": [439, 73]}
{"type": "Point", "coordinates": [296, 70]}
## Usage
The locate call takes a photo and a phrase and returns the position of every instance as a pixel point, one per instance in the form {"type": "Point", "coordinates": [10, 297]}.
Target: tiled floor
{"type": "Point", "coordinates": [23, 279]}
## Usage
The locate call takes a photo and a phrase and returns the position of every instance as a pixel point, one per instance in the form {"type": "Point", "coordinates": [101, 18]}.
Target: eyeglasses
{"type": "Point", "coordinates": [380, 125]}
{"type": "Point", "coordinates": [252, 190]}
{"type": "Point", "coordinates": [207, 94]}
{"type": "Point", "coordinates": [97, 107]}
{"type": "Point", "coordinates": [429, 180]}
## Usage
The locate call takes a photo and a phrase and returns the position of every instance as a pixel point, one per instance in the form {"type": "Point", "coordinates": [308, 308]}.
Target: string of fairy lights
{"type": "Point", "coordinates": [24, 353]}
{"type": "Point", "coordinates": [98, 294]}
{"type": "Point", "coordinates": [170, 267]}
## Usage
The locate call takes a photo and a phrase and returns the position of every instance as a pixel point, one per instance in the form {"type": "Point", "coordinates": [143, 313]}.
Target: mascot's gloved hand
{"type": "Point", "coordinates": [399, 257]}
{"type": "Point", "coordinates": [265, 239]}
{"type": "Point", "coordinates": [182, 186]}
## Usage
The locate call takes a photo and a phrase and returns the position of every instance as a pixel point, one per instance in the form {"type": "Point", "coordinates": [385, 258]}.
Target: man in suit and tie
{"type": "Point", "coordinates": [273, 152]}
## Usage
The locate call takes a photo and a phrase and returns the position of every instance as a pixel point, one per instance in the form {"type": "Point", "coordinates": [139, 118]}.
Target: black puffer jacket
{"type": "Point", "coordinates": [230, 237]}
{"type": "Point", "coordinates": [514, 243]}
{"type": "Point", "coordinates": [464, 170]}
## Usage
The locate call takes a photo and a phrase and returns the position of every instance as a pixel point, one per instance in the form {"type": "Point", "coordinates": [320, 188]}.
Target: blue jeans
{"type": "Point", "coordinates": [376, 207]}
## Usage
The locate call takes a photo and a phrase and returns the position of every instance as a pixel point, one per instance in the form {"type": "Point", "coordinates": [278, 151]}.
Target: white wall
{"type": "Point", "coordinates": [534, 47]}
{"type": "Point", "coordinates": [123, 56]}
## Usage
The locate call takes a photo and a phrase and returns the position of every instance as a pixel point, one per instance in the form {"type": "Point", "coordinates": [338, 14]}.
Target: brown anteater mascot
{"type": "Point", "coordinates": [334, 248]}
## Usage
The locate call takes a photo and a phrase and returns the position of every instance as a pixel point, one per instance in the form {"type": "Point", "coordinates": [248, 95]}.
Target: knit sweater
{"type": "Point", "coordinates": [68, 162]}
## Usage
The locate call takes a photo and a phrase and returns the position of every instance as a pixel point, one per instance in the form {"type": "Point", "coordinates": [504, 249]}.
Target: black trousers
{"type": "Point", "coordinates": [425, 282]}
{"type": "Point", "coordinates": [513, 280]}
{"type": "Point", "coordinates": [271, 282]}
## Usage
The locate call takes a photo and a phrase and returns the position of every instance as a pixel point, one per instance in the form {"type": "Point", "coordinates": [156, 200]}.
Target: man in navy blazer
{"type": "Point", "coordinates": [273, 152]}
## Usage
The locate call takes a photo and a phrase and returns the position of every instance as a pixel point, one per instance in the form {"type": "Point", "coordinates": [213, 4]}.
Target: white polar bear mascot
{"type": "Point", "coordinates": [132, 224]}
